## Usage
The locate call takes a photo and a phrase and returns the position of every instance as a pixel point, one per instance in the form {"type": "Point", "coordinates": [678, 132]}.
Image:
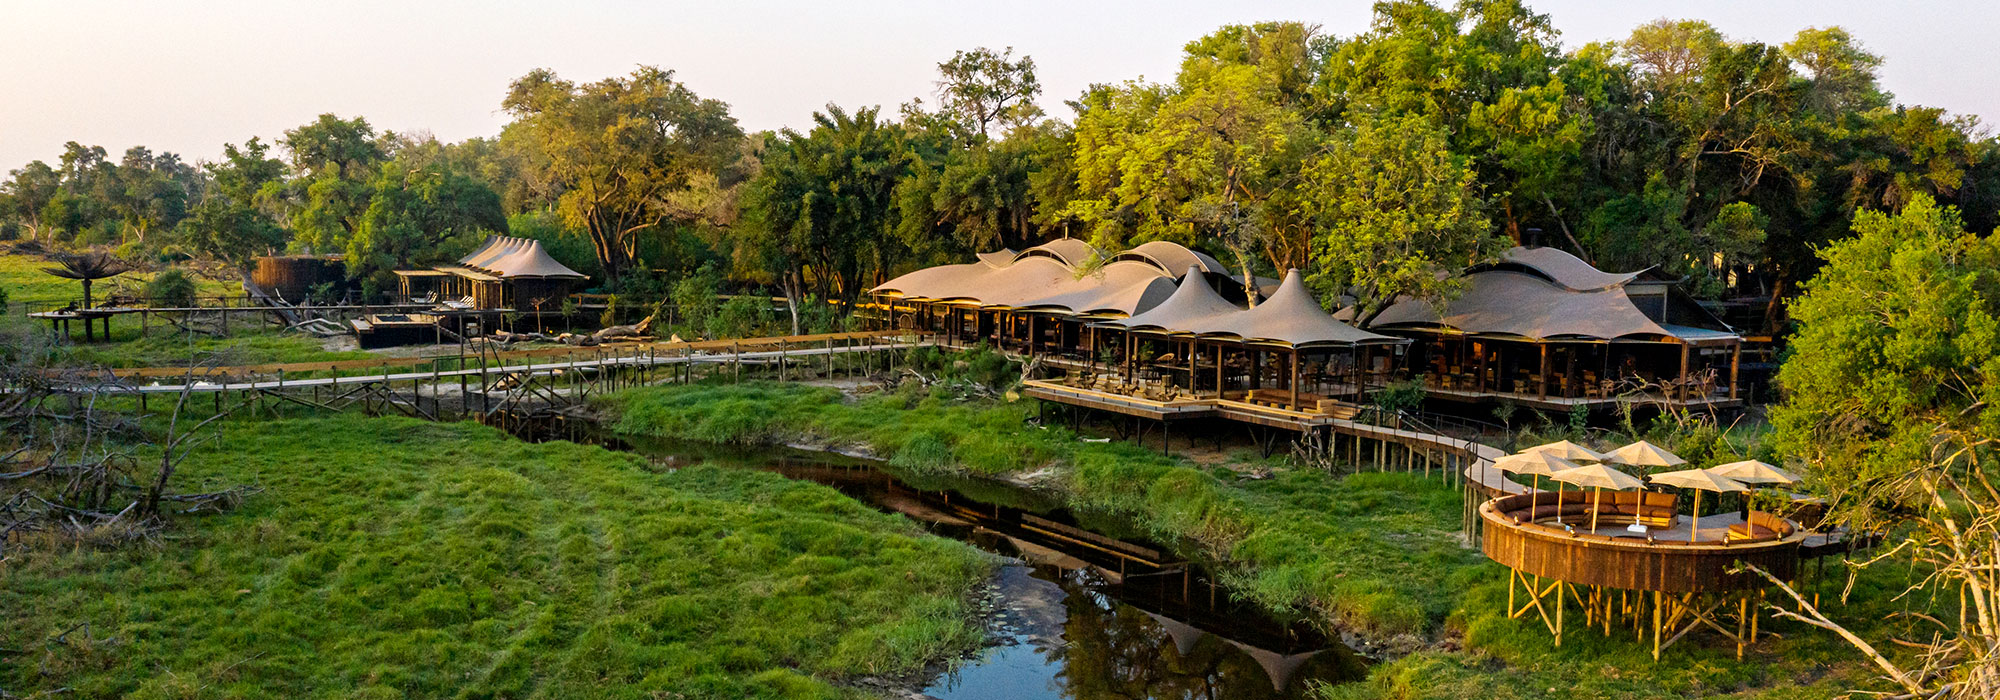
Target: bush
{"type": "Point", "coordinates": [171, 288]}
{"type": "Point", "coordinates": [743, 316]}
{"type": "Point", "coordinates": [694, 298]}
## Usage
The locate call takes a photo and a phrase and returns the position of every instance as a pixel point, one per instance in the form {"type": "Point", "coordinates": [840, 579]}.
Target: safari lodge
{"type": "Point", "coordinates": [1164, 331]}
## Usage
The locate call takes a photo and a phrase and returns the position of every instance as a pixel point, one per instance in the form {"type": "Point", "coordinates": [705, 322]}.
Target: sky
{"type": "Point", "coordinates": [187, 77]}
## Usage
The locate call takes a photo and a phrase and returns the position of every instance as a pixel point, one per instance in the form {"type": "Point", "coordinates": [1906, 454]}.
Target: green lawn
{"type": "Point", "coordinates": [395, 558]}
{"type": "Point", "coordinates": [161, 348]}
{"type": "Point", "coordinates": [1373, 552]}
{"type": "Point", "coordinates": [24, 279]}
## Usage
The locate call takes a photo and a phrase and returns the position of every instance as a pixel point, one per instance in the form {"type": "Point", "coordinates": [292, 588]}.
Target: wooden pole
{"type": "Point", "coordinates": [1295, 379]}
{"type": "Point", "coordinates": [1735, 362]}
{"type": "Point", "coordinates": [1694, 525]}
{"type": "Point", "coordinates": [1681, 384]}
{"type": "Point", "coordinates": [1542, 381]}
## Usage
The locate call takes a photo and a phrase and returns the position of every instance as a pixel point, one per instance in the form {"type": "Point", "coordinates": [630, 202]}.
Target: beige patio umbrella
{"type": "Point", "coordinates": [1700, 480]}
{"type": "Point", "coordinates": [1753, 472]}
{"type": "Point", "coordinates": [1644, 454]}
{"type": "Point", "coordinates": [1536, 464]}
{"type": "Point", "coordinates": [1570, 451]}
{"type": "Point", "coordinates": [1598, 477]}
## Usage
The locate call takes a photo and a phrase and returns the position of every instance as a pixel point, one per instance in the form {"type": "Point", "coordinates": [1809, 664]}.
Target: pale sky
{"type": "Point", "coordinates": [188, 76]}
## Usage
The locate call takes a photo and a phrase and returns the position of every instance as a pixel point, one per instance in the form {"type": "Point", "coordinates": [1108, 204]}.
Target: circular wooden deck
{"type": "Point", "coordinates": [1665, 562]}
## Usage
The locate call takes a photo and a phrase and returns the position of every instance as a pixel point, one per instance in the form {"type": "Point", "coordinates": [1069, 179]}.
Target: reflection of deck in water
{"type": "Point", "coordinates": [1138, 589]}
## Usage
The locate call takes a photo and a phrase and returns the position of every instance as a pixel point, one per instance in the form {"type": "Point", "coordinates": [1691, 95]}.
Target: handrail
{"type": "Point", "coordinates": [200, 372]}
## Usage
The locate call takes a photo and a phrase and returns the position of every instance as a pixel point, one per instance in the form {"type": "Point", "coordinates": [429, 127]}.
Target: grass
{"type": "Point", "coordinates": [25, 281]}
{"type": "Point", "coordinates": [397, 558]}
{"type": "Point", "coordinates": [1373, 552]}
{"type": "Point", "coordinates": [161, 348]}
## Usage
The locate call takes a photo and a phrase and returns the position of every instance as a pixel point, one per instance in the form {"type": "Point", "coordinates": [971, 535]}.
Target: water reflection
{"type": "Point", "coordinates": [1088, 612]}
{"type": "Point", "coordinates": [1070, 633]}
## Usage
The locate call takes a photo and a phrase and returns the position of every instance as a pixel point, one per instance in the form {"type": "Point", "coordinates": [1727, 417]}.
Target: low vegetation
{"type": "Point", "coordinates": [1367, 550]}
{"type": "Point", "coordinates": [396, 558]}
{"type": "Point", "coordinates": [1375, 553]}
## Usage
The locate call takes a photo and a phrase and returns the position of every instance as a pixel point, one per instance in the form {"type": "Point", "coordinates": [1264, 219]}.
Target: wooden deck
{"type": "Point", "coordinates": [223, 379]}
{"type": "Point", "coordinates": [1561, 403]}
{"type": "Point", "coordinates": [1476, 457]}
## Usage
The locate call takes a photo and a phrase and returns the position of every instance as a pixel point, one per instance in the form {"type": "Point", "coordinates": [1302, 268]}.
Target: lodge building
{"type": "Point", "coordinates": [1164, 328]}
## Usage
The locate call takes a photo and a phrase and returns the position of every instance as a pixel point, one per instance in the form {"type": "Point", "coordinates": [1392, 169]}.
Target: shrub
{"type": "Point", "coordinates": [694, 297]}
{"type": "Point", "coordinates": [742, 316]}
{"type": "Point", "coordinates": [171, 288]}
{"type": "Point", "coordinates": [610, 316]}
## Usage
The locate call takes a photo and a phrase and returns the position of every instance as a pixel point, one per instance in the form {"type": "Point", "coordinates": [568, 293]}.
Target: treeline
{"type": "Point", "coordinates": [1379, 163]}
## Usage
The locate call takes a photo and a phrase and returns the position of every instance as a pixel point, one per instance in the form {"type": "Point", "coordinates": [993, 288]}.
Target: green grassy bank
{"type": "Point", "coordinates": [1373, 552]}
{"type": "Point", "coordinates": [396, 558]}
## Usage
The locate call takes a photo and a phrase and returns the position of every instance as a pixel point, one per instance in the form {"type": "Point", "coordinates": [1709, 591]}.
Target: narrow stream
{"type": "Point", "coordinates": [1083, 609]}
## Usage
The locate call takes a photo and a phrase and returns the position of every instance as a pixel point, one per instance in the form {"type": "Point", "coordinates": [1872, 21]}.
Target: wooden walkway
{"type": "Point", "coordinates": [647, 355]}
{"type": "Point", "coordinates": [1473, 459]}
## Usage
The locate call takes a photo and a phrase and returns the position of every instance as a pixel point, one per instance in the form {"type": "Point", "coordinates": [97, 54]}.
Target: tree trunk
{"type": "Point", "coordinates": [792, 285]}
{"type": "Point", "coordinates": [1773, 304]}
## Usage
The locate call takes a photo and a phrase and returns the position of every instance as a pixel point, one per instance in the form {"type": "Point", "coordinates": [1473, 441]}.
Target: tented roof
{"type": "Point", "coordinates": [1025, 279]}
{"type": "Point", "coordinates": [999, 258]}
{"type": "Point", "coordinates": [1124, 288]}
{"type": "Point", "coordinates": [1170, 256]}
{"type": "Point", "coordinates": [1047, 277]}
{"type": "Point", "coordinates": [1292, 317]}
{"type": "Point", "coordinates": [1193, 308]}
{"type": "Point", "coordinates": [1565, 269]}
{"type": "Point", "coordinates": [1070, 251]}
{"type": "Point", "coordinates": [1501, 302]}
{"type": "Point", "coordinates": [508, 257]}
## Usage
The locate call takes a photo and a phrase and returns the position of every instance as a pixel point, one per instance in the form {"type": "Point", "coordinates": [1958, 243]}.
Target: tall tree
{"type": "Point", "coordinates": [982, 88]}
{"type": "Point", "coordinates": [1892, 400]}
{"type": "Point", "coordinates": [823, 212]}
{"type": "Point", "coordinates": [1397, 217]}
{"type": "Point", "coordinates": [1208, 161]}
{"type": "Point", "coordinates": [30, 190]}
{"type": "Point", "coordinates": [630, 155]}
{"type": "Point", "coordinates": [421, 213]}
{"type": "Point", "coordinates": [228, 224]}
{"type": "Point", "coordinates": [335, 160]}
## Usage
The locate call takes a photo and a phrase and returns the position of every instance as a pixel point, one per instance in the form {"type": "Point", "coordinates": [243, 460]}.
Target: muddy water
{"type": "Point", "coordinates": [1083, 609]}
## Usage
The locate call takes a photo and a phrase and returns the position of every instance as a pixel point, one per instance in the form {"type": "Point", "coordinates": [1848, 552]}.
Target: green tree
{"type": "Point", "coordinates": [228, 223]}
{"type": "Point", "coordinates": [981, 88]}
{"type": "Point", "coordinates": [336, 161]}
{"type": "Point", "coordinates": [629, 156]}
{"type": "Point", "coordinates": [30, 190]}
{"type": "Point", "coordinates": [420, 215]}
{"type": "Point", "coordinates": [1892, 401]}
{"type": "Point", "coordinates": [1209, 161]}
{"type": "Point", "coordinates": [823, 213]}
{"type": "Point", "coordinates": [1397, 216]}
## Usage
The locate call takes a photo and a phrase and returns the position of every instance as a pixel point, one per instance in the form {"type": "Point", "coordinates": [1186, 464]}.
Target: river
{"type": "Point", "coordinates": [1082, 609]}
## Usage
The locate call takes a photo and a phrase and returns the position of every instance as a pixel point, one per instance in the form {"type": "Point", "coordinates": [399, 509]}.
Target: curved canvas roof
{"type": "Point", "coordinates": [1025, 280]}
{"type": "Point", "coordinates": [1503, 302]}
{"type": "Point", "coordinates": [1124, 287]}
{"type": "Point", "coordinates": [1171, 256]}
{"type": "Point", "coordinates": [508, 257]}
{"type": "Point", "coordinates": [492, 249]}
{"type": "Point", "coordinates": [1193, 308]}
{"type": "Point", "coordinates": [999, 258]}
{"type": "Point", "coordinates": [1070, 251]}
{"type": "Point", "coordinates": [1294, 318]}
{"type": "Point", "coordinates": [1565, 269]}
